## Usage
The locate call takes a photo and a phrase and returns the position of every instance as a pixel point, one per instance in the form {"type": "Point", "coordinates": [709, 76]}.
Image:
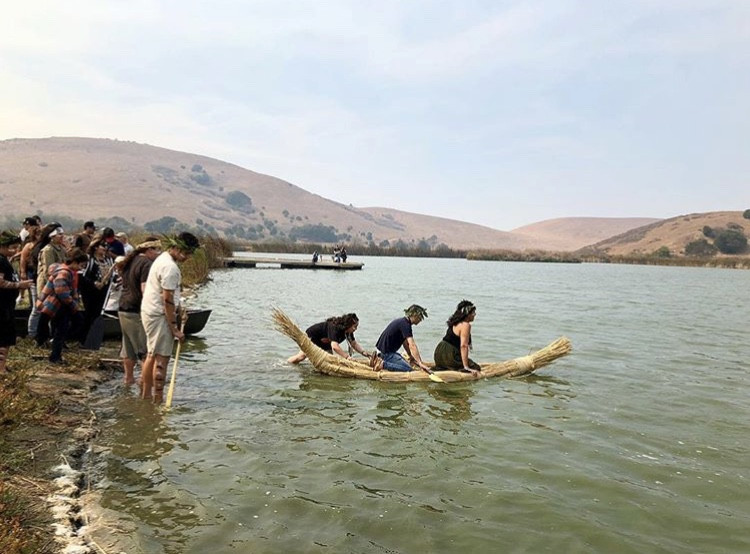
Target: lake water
{"type": "Point", "coordinates": [636, 442]}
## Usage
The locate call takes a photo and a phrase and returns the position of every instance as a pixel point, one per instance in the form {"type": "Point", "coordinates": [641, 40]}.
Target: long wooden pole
{"type": "Point", "coordinates": [170, 391]}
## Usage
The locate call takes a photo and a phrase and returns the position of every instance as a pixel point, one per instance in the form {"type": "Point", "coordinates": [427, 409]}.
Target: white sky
{"type": "Point", "coordinates": [497, 112]}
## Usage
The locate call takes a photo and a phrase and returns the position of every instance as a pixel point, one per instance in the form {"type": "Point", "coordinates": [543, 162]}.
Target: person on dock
{"type": "Point", "coordinates": [10, 285]}
{"type": "Point", "coordinates": [452, 353]}
{"type": "Point", "coordinates": [159, 309]}
{"type": "Point", "coordinates": [329, 335]}
{"type": "Point", "coordinates": [134, 272]}
{"type": "Point", "coordinates": [398, 333]}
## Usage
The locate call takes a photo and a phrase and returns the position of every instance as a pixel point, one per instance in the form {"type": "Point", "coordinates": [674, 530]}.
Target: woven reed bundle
{"type": "Point", "coordinates": [332, 364]}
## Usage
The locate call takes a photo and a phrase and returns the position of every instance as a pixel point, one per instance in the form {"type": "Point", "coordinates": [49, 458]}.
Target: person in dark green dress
{"type": "Point", "coordinates": [452, 353]}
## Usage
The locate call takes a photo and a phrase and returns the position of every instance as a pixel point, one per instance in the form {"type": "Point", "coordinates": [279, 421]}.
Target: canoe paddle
{"type": "Point", "coordinates": [433, 376]}
{"type": "Point", "coordinates": [170, 391]}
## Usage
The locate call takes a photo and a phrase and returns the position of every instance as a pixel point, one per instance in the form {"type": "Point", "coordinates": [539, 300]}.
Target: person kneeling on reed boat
{"type": "Point", "coordinates": [329, 335]}
{"type": "Point", "coordinates": [452, 353]}
{"type": "Point", "coordinates": [398, 333]}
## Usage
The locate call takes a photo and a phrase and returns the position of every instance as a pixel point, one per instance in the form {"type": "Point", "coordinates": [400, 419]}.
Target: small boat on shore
{"type": "Point", "coordinates": [337, 366]}
{"type": "Point", "coordinates": [196, 321]}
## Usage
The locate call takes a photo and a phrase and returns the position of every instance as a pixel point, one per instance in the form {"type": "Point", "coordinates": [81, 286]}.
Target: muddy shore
{"type": "Point", "coordinates": [47, 504]}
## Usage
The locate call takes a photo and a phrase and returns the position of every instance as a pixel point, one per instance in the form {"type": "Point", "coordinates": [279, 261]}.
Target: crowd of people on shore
{"type": "Point", "coordinates": [451, 353]}
{"type": "Point", "coordinates": [75, 280]}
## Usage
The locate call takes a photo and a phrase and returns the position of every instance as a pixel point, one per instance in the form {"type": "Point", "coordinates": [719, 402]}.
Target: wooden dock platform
{"type": "Point", "coordinates": [288, 263]}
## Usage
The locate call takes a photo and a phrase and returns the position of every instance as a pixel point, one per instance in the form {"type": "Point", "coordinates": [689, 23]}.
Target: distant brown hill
{"type": "Point", "coordinates": [674, 233]}
{"type": "Point", "coordinates": [572, 233]}
{"type": "Point", "coordinates": [89, 178]}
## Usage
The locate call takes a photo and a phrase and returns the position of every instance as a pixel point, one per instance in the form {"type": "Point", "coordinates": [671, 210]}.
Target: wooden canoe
{"type": "Point", "coordinates": [195, 323]}
{"type": "Point", "coordinates": [337, 366]}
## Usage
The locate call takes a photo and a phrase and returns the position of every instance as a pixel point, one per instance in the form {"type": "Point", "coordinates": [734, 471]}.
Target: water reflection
{"type": "Point", "coordinates": [455, 403]}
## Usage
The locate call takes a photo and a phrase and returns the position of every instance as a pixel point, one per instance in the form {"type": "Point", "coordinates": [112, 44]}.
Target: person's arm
{"type": "Point", "coordinates": [410, 346]}
{"type": "Point", "coordinates": [357, 348]}
{"type": "Point", "coordinates": [464, 333]}
{"type": "Point", "coordinates": [18, 285]}
{"type": "Point", "coordinates": [24, 262]}
{"type": "Point", "coordinates": [170, 312]}
{"type": "Point", "coordinates": [336, 347]}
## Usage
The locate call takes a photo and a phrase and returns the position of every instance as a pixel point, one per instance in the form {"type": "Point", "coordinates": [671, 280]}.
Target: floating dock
{"type": "Point", "coordinates": [288, 263]}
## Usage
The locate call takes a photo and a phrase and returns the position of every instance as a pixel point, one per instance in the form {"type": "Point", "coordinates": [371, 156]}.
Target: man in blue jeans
{"type": "Point", "coordinates": [398, 334]}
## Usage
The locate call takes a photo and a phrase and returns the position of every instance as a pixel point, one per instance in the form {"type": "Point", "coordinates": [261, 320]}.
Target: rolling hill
{"type": "Point", "coordinates": [674, 233]}
{"type": "Point", "coordinates": [88, 178]}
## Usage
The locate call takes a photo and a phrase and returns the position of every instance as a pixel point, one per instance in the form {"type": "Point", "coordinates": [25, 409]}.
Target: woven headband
{"type": "Point", "coordinates": [149, 244]}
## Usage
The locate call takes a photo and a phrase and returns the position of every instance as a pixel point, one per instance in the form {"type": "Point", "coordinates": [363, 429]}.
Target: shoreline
{"type": "Point", "coordinates": [50, 448]}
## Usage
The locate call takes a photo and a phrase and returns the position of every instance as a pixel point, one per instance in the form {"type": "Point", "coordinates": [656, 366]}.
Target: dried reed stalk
{"type": "Point", "coordinates": [332, 364]}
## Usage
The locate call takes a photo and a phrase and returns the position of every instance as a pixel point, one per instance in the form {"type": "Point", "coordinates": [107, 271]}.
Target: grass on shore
{"type": "Point", "coordinates": [24, 520]}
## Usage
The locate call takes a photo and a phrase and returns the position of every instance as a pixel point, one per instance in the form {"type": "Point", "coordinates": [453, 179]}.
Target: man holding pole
{"type": "Point", "coordinates": [161, 298]}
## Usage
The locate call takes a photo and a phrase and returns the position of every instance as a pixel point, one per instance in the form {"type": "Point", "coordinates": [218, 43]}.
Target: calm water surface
{"type": "Point", "coordinates": [636, 442]}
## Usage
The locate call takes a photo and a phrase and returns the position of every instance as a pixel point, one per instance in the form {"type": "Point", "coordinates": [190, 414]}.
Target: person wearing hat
{"type": "Point", "coordinates": [93, 284]}
{"type": "Point", "coordinates": [84, 238]}
{"type": "Point", "coordinates": [28, 223]}
{"type": "Point", "coordinates": [134, 270]}
{"type": "Point", "coordinates": [10, 285]}
{"type": "Point", "coordinates": [159, 309]}
{"type": "Point", "coordinates": [398, 333]}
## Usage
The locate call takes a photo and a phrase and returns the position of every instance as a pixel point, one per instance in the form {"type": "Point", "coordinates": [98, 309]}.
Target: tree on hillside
{"type": "Point", "coordinates": [731, 242]}
{"type": "Point", "coordinates": [700, 247]}
{"type": "Point", "coordinates": [746, 214]}
{"type": "Point", "coordinates": [314, 233]}
{"type": "Point", "coordinates": [163, 225]}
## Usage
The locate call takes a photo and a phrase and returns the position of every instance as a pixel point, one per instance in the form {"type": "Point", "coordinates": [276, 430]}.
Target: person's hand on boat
{"type": "Point", "coordinates": [474, 372]}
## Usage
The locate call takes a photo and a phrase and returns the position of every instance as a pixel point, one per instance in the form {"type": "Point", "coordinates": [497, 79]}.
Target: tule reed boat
{"type": "Point", "coordinates": [337, 366]}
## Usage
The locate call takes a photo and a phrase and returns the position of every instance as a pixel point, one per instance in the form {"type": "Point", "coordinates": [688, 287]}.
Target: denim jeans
{"type": "Point", "coordinates": [395, 362]}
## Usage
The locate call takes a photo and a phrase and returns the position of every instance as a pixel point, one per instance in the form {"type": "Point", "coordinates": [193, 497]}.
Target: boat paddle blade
{"type": "Point", "coordinates": [434, 377]}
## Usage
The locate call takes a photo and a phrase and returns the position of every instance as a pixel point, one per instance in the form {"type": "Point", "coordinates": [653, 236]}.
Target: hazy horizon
{"type": "Point", "coordinates": [502, 116]}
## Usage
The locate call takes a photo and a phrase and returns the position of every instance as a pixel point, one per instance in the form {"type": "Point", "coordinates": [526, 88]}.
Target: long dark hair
{"type": "Point", "coordinates": [463, 311]}
{"type": "Point", "coordinates": [344, 321]}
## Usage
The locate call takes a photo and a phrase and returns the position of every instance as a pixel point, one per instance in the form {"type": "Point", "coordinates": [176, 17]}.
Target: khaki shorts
{"type": "Point", "coordinates": [159, 339]}
{"type": "Point", "coordinates": [133, 336]}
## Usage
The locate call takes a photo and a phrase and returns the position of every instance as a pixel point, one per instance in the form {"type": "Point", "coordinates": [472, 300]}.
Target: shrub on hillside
{"type": "Point", "coordinates": [314, 233]}
{"type": "Point", "coordinates": [731, 242]}
{"type": "Point", "coordinates": [700, 247]}
{"type": "Point", "coordinates": [709, 232]}
{"type": "Point", "coordinates": [663, 252]}
{"type": "Point", "coordinates": [746, 214]}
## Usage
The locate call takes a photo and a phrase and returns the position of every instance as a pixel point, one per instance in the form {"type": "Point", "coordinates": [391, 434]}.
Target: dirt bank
{"type": "Point", "coordinates": [47, 427]}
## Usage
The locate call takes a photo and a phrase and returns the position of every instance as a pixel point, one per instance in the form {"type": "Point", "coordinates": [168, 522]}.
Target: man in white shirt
{"type": "Point", "coordinates": [159, 308]}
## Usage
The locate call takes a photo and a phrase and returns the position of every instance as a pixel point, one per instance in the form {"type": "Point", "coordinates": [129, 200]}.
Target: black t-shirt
{"type": "Point", "coordinates": [132, 279]}
{"type": "Point", "coordinates": [8, 296]}
{"type": "Point", "coordinates": [325, 332]}
{"type": "Point", "coordinates": [394, 335]}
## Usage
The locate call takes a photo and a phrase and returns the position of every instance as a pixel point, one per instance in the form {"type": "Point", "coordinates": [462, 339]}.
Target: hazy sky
{"type": "Point", "coordinates": [498, 112]}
